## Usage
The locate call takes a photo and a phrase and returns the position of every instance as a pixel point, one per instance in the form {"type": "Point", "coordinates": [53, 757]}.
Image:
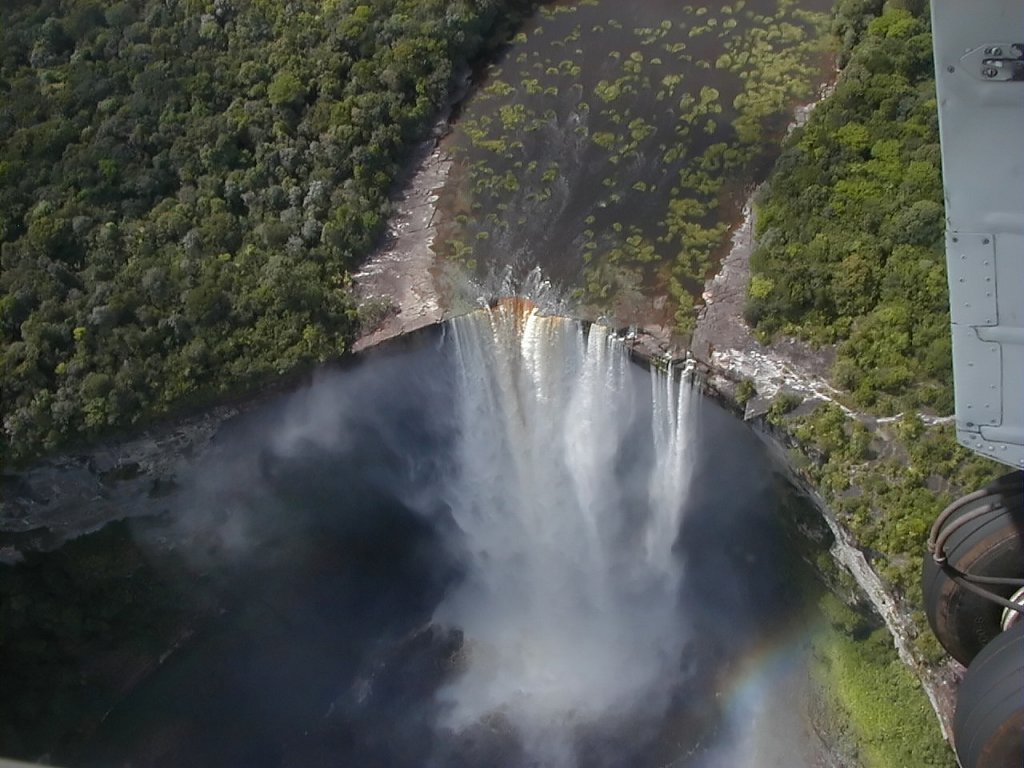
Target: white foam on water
{"type": "Point", "coordinates": [569, 606]}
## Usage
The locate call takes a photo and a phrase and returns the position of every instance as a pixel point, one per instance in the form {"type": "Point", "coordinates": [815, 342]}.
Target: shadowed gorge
{"type": "Point", "coordinates": [526, 557]}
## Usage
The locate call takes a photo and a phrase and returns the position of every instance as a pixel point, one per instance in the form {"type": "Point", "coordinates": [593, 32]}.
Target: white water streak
{"type": "Point", "coordinates": [673, 400]}
{"type": "Point", "coordinates": [569, 606]}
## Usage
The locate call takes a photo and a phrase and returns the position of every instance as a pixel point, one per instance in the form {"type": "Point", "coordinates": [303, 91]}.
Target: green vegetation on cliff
{"type": "Point", "coordinates": [186, 185]}
{"type": "Point", "coordinates": [850, 231]}
{"type": "Point", "coordinates": [850, 227]}
{"type": "Point", "coordinates": [887, 485]}
{"type": "Point", "coordinates": [876, 702]}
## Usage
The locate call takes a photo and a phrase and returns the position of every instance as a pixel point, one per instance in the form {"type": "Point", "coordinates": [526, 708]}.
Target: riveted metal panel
{"type": "Point", "coordinates": [971, 268]}
{"type": "Point", "coordinates": [978, 69]}
{"type": "Point", "coordinates": [997, 62]}
{"type": "Point", "coordinates": [977, 376]}
{"type": "Point", "coordinates": [1004, 451]}
{"type": "Point", "coordinates": [979, 121]}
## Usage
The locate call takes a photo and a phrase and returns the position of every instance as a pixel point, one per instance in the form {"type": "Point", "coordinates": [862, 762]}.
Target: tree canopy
{"type": "Point", "coordinates": [850, 225]}
{"type": "Point", "coordinates": [185, 187]}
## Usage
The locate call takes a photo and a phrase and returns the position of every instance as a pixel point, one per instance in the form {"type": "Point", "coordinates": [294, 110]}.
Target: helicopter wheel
{"type": "Point", "coordinates": [988, 727]}
{"type": "Point", "coordinates": [981, 535]}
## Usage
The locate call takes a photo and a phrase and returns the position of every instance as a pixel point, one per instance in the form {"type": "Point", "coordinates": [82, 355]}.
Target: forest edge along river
{"type": "Point", "coordinates": [601, 127]}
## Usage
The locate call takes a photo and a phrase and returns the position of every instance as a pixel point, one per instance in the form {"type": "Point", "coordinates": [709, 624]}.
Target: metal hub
{"type": "Point", "coordinates": [1010, 616]}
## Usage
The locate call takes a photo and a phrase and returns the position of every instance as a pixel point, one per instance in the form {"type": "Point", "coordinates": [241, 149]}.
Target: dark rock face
{"type": "Point", "coordinates": [66, 496]}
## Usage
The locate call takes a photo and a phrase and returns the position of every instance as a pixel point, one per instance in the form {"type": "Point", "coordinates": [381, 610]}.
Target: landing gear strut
{"type": "Point", "coordinates": [974, 598]}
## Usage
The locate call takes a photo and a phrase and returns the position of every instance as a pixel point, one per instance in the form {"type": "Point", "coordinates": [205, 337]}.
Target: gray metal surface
{"type": "Point", "coordinates": [981, 122]}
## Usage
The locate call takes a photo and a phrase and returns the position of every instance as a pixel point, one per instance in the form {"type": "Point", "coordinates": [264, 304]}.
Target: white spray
{"type": "Point", "coordinates": [569, 606]}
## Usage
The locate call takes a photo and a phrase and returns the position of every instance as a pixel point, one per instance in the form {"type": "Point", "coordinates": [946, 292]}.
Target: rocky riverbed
{"type": "Point", "coordinates": [400, 285]}
{"type": "Point", "coordinates": [400, 280]}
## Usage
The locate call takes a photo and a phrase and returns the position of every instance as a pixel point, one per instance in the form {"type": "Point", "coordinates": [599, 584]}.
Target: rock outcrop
{"type": "Point", "coordinates": [728, 353]}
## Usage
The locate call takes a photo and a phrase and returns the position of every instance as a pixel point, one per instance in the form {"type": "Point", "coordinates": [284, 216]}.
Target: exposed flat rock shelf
{"type": "Point", "coordinates": [66, 496]}
{"type": "Point", "coordinates": [401, 273]}
{"type": "Point", "coordinates": [724, 342]}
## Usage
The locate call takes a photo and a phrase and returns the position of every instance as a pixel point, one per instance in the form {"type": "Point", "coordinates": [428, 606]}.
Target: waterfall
{"type": "Point", "coordinates": [568, 498]}
{"type": "Point", "coordinates": [673, 400]}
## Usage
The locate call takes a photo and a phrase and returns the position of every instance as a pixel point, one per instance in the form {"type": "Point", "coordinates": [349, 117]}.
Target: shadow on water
{"type": "Point", "coordinates": [289, 596]}
{"type": "Point", "coordinates": [750, 601]}
{"type": "Point", "coordinates": [302, 532]}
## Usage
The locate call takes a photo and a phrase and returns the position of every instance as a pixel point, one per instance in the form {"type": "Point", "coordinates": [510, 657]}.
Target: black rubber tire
{"type": "Point", "coordinates": [988, 727]}
{"type": "Point", "coordinates": [992, 545]}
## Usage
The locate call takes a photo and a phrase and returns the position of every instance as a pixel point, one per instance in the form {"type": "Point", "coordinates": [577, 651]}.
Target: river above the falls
{"type": "Point", "coordinates": [612, 147]}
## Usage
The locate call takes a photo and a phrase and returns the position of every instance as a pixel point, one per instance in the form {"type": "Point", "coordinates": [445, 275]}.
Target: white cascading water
{"type": "Point", "coordinates": [569, 606]}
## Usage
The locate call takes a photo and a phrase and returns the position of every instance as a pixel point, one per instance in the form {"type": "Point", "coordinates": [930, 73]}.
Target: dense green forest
{"type": "Point", "coordinates": [185, 187]}
{"type": "Point", "coordinates": [850, 228]}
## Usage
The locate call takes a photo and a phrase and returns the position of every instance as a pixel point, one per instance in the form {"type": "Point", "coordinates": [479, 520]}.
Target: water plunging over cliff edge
{"type": "Point", "coordinates": [568, 503]}
{"type": "Point", "coordinates": [502, 545]}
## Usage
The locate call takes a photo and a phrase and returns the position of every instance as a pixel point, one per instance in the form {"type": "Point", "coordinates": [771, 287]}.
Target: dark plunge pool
{"type": "Point", "coordinates": [504, 546]}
